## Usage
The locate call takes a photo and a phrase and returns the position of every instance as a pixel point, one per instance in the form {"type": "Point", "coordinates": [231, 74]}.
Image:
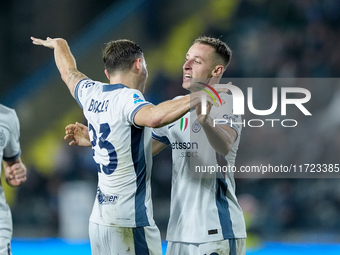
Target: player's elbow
{"type": "Point", "coordinates": [64, 75]}
{"type": "Point", "coordinates": [223, 148]}
{"type": "Point", "coordinates": [69, 74]}
{"type": "Point", "coordinates": [156, 122]}
{"type": "Point", "coordinates": [157, 119]}
{"type": "Point", "coordinates": [150, 116]}
{"type": "Point", "coordinates": [226, 149]}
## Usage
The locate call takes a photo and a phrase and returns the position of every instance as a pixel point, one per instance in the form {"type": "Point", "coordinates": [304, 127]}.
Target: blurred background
{"type": "Point", "coordinates": [269, 39]}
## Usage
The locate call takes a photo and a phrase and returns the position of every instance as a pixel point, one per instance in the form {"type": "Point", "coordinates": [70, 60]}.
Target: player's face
{"type": "Point", "coordinates": [198, 64]}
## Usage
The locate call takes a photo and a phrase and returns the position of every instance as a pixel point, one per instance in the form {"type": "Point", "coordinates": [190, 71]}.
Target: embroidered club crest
{"type": "Point", "coordinates": [196, 126]}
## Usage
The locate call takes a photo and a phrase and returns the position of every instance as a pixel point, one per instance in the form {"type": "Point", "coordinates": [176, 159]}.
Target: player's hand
{"type": "Point", "coordinates": [49, 42]}
{"type": "Point", "coordinates": [209, 92]}
{"type": "Point", "coordinates": [16, 174]}
{"type": "Point", "coordinates": [196, 99]}
{"type": "Point", "coordinates": [78, 134]}
{"type": "Point", "coordinates": [203, 118]}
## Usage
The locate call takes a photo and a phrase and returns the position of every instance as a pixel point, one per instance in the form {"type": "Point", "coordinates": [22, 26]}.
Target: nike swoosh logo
{"type": "Point", "coordinates": [171, 126]}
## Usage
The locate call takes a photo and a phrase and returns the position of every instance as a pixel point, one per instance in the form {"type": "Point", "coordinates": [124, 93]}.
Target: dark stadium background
{"type": "Point", "coordinates": [271, 39]}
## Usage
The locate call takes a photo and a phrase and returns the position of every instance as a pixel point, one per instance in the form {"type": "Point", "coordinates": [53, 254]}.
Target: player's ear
{"type": "Point", "coordinates": [218, 71]}
{"type": "Point", "coordinates": [107, 74]}
{"type": "Point", "coordinates": [137, 66]}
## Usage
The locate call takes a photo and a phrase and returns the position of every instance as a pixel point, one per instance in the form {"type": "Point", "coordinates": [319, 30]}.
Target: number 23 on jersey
{"type": "Point", "coordinates": [104, 130]}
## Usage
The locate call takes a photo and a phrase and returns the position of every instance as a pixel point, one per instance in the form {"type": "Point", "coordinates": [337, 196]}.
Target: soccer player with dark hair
{"type": "Point", "coordinates": [205, 216]}
{"type": "Point", "coordinates": [119, 121]}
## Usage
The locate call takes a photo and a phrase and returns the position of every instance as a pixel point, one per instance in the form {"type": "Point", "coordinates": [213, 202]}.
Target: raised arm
{"type": "Point", "coordinates": [15, 172]}
{"type": "Point", "coordinates": [64, 60]}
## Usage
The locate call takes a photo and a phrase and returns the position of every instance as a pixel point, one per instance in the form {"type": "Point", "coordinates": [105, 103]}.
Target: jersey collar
{"type": "Point", "coordinates": [111, 87]}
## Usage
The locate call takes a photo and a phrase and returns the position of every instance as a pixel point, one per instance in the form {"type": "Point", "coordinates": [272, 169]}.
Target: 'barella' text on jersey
{"type": "Point", "coordinates": [98, 107]}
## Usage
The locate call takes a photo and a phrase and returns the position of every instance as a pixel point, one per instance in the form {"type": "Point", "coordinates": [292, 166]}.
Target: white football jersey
{"type": "Point", "coordinates": [9, 151]}
{"type": "Point", "coordinates": [202, 209]}
{"type": "Point", "coordinates": [122, 152]}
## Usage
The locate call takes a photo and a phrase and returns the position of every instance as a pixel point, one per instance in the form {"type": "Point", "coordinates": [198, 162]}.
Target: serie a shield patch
{"type": "Point", "coordinates": [184, 124]}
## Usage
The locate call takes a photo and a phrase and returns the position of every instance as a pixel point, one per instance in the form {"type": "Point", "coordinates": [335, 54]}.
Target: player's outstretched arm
{"type": "Point", "coordinates": [162, 114]}
{"type": "Point", "coordinates": [168, 111]}
{"type": "Point", "coordinates": [78, 134]}
{"type": "Point", "coordinates": [15, 172]}
{"type": "Point", "coordinates": [64, 59]}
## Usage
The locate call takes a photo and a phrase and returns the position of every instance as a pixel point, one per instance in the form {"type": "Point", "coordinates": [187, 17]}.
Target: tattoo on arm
{"type": "Point", "coordinates": [74, 74]}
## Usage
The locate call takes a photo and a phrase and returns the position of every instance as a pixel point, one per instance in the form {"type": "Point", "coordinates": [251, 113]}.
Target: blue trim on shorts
{"type": "Point", "coordinates": [9, 249]}
{"type": "Point", "coordinates": [141, 246]}
{"type": "Point", "coordinates": [232, 246]}
{"type": "Point", "coordinates": [138, 157]}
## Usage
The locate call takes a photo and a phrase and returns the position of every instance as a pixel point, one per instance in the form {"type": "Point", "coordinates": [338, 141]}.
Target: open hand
{"type": "Point", "coordinates": [49, 42]}
{"type": "Point", "coordinates": [78, 134]}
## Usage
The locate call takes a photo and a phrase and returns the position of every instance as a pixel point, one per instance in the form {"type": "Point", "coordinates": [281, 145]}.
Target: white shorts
{"type": "Point", "coordinates": [224, 247]}
{"type": "Point", "coordinates": [107, 240]}
{"type": "Point", "coordinates": [5, 246]}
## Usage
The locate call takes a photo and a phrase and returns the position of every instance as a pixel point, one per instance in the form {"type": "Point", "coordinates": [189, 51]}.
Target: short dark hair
{"type": "Point", "coordinates": [220, 47]}
{"type": "Point", "coordinates": [119, 55]}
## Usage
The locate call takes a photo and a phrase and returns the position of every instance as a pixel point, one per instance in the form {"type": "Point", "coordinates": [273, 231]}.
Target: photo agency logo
{"type": "Point", "coordinates": [290, 112]}
{"type": "Point", "coordinates": [295, 96]}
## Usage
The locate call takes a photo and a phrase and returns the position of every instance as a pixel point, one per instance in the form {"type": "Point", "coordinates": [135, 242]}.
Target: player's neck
{"type": "Point", "coordinates": [131, 81]}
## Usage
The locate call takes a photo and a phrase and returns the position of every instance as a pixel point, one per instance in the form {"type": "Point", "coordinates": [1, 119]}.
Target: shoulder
{"type": "Point", "coordinates": [9, 120]}
{"type": "Point", "coordinates": [133, 96]}
{"type": "Point", "coordinates": [6, 110]}
{"type": "Point", "coordinates": [178, 97]}
{"type": "Point", "coordinates": [85, 88]}
{"type": "Point", "coordinates": [7, 113]}
{"type": "Point", "coordinates": [87, 83]}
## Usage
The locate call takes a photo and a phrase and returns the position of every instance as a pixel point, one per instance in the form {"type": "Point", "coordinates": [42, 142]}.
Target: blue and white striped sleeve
{"type": "Point", "coordinates": [134, 101]}
{"type": "Point", "coordinates": [79, 92]}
